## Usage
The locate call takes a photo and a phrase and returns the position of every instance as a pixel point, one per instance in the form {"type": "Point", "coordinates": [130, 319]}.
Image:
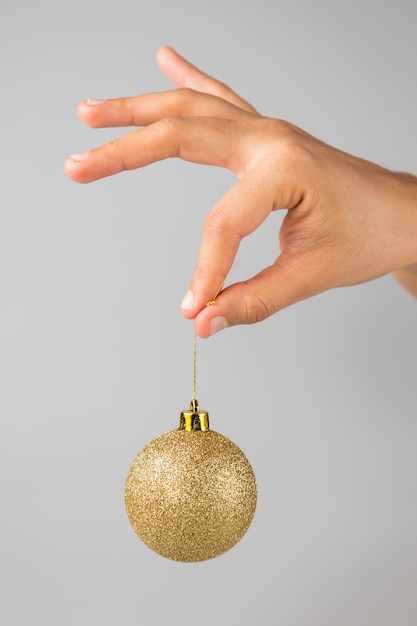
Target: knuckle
{"type": "Point", "coordinates": [289, 143]}
{"type": "Point", "coordinates": [285, 130]}
{"type": "Point", "coordinates": [220, 229]}
{"type": "Point", "coordinates": [170, 124]}
{"type": "Point", "coordinates": [223, 90]}
{"type": "Point", "coordinates": [256, 310]}
{"type": "Point", "coordinates": [113, 146]}
{"type": "Point", "coordinates": [181, 101]}
{"type": "Point", "coordinates": [216, 222]}
{"type": "Point", "coordinates": [183, 96]}
{"type": "Point", "coordinates": [275, 129]}
{"type": "Point", "coordinates": [116, 153]}
{"type": "Point", "coordinates": [171, 129]}
{"type": "Point", "coordinates": [204, 274]}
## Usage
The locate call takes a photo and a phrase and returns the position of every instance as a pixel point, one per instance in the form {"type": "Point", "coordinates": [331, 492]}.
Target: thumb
{"type": "Point", "coordinates": [289, 280]}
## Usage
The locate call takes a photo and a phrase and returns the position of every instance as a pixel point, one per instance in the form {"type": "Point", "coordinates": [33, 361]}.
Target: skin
{"type": "Point", "coordinates": [347, 220]}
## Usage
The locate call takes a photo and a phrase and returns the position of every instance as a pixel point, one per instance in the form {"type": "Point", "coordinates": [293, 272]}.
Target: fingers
{"type": "Point", "coordinates": [200, 140]}
{"type": "Point", "coordinates": [275, 288]}
{"type": "Point", "coordinates": [148, 108]}
{"type": "Point", "coordinates": [184, 74]}
{"type": "Point", "coordinates": [239, 213]}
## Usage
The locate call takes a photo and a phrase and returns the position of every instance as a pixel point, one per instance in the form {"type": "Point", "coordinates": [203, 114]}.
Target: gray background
{"type": "Point", "coordinates": [96, 359]}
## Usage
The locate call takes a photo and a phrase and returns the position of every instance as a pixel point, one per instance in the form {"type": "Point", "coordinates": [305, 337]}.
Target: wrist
{"type": "Point", "coordinates": [407, 274]}
{"type": "Point", "coordinates": [405, 204]}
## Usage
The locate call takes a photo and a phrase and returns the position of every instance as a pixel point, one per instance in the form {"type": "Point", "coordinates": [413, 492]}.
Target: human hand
{"type": "Point", "coordinates": [348, 220]}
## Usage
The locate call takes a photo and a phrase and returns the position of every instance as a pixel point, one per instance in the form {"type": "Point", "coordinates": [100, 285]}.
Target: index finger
{"type": "Point", "coordinates": [240, 212]}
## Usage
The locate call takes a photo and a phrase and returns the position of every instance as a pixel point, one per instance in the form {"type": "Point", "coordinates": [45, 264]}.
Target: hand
{"type": "Point", "coordinates": [348, 220]}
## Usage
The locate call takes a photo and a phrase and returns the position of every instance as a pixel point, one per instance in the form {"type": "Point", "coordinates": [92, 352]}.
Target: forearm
{"type": "Point", "coordinates": [407, 275]}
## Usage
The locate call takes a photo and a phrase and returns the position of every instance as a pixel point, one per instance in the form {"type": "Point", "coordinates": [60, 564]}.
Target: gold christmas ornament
{"type": "Point", "coordinates": [190, 493]}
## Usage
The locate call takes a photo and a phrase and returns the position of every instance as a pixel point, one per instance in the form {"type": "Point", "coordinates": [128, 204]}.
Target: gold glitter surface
{"type": "Point", "coordinates": [190, 496]}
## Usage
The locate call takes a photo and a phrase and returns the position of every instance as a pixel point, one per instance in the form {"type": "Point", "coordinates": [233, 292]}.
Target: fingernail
{"type": "Point", "coordinates": [94, 101]}
{"type": "Point", "coordinates": [217, 324]}
{"type": "Point", "coordinates": [79, 157]}
{"type": "Point", "coordinates": [188, 301]}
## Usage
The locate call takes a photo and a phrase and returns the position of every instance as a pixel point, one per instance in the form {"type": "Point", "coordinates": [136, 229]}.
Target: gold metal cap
{"type": "Point", "coordinates": [194, 419]}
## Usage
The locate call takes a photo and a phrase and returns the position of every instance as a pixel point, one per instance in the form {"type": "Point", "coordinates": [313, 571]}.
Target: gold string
{"type": "Point", "coordinates": [195, 368]}
{"type": "Point", "coordinates": [212, 301]}
{"type": "Point", "coordinates": [209, 303]}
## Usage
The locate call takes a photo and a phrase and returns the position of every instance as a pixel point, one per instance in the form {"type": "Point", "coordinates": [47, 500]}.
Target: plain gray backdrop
{"type": "Point", "coordinates": [96, 359]}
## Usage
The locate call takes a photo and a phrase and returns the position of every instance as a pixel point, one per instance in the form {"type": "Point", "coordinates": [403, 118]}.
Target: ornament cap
{"type": "Point", "coordinates": [194, 419]}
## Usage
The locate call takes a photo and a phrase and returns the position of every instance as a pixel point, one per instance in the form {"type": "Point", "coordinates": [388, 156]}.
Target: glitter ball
{"type": "Point", "coordinates": [190, 496]}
